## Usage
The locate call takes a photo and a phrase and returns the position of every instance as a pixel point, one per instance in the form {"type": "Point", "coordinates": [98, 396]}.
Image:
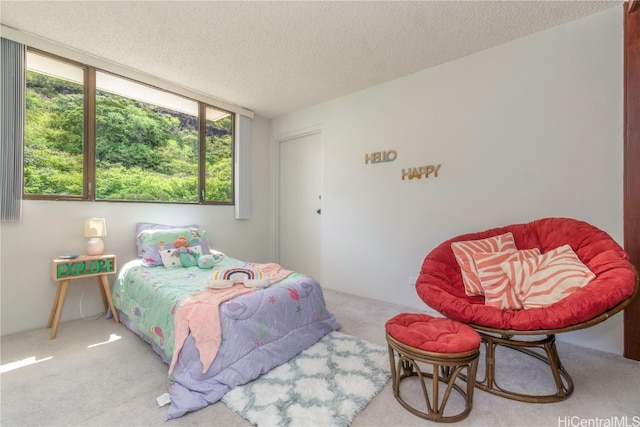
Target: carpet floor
{"type": "Point", "coordinates": [97, 373]}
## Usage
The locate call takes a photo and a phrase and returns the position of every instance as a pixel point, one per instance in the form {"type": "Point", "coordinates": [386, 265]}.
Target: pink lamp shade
{"type": "Point", "coordinates": [94, 229]}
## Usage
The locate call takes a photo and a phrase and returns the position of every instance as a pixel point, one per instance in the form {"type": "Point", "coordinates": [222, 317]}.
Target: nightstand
{"type": "Point", "coordinates": [65, 270]}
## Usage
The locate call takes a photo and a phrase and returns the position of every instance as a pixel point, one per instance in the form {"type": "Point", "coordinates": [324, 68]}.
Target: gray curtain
{"type": "Point", "coordinates": [12, 114]}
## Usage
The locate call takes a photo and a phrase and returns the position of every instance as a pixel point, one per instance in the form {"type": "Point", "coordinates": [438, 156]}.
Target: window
{"type": "Point", "coordinates": [93, 135]}
{"type": "Point", "coordinates": [147, 144]}
{"type": "Point", "coordinates": [219, 155]}
{"type": "Point", "coordinates": [54, 131]}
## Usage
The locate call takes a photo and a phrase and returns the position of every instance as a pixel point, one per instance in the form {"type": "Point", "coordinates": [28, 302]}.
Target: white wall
{"type": "Point", "coordinates": [49, 228]}
{"type": "Point", "coordinates": [528, 129]}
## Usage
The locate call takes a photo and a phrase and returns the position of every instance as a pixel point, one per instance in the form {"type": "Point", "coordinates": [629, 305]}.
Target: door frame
{"type": "Point", "coordinates": [631, 155]}
{"type": "Point", "coordinates": [275, 184]}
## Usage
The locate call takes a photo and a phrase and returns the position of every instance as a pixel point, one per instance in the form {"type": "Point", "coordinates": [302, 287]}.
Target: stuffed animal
{"type": "Point", "coordinates": [181, 242]}
{"type": "Point", "coordinates": [188, 258]}
{"type": "Point", "coordinates": [207, 261]}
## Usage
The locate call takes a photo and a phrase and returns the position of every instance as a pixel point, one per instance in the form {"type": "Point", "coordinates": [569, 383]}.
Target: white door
{"type": "Point", "coordinates": [299, 204]}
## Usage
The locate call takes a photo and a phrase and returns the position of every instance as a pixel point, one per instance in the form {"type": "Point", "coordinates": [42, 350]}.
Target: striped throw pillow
{"type": "Point", "coordinates": [498, 291]}
{"type": "Point", "coordinates": [543, 280]}
{"type": "Point", "coordinates": [464, 251]}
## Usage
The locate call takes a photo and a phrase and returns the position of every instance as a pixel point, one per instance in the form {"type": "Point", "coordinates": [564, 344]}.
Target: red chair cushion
{"type": "Point", "coordinates": [440, 285]}
{"type": "Point", "coordinates": [433, 334]}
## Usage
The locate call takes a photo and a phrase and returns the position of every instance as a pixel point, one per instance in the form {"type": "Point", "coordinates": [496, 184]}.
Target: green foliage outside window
{"type": "Point", "coordinates": [143, 152]}
{"type": "Point", "coordinates": [53, 135]}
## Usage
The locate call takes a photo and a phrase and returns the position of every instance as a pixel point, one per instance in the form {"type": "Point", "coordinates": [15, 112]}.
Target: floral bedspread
{"type": "Point", "coordinates": [260, 329]}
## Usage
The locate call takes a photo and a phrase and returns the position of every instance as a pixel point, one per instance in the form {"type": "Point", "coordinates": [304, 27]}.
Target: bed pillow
{"type": "Point", "coordinates": [545, 279]}
{"type": "Point", "coordinates": [171, 257]}
{"type": "Point", "coordinates": [498, 291]}
{"type": "Point", "coordinates": [464, 251]}
{"type": "Point", "coordinates": [227, 277]}
{"type": "Point", "coordinates": [154, 241]}
{"type": "Point", "coordinates": [144, 226]}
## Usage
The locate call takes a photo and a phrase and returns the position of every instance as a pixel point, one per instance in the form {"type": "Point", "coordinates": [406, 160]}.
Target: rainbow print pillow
{"type": "Point", "coordinates": [227, 277]}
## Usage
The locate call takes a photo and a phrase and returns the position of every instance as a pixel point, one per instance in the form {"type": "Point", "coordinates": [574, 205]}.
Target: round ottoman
{"type": "Point", "coordinates": [438, 349]}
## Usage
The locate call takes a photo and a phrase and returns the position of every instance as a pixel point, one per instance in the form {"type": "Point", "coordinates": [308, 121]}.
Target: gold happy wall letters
{"type": "Point", "coordinates": [419, 172]}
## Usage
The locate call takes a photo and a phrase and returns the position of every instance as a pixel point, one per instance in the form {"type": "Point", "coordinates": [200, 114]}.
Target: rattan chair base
{"type": "Point", "coordinates": [492, 337]}
{"type": "Point", "coordinates": [562, 379]}
{"type": "Point", "coordinates": [447, 368]}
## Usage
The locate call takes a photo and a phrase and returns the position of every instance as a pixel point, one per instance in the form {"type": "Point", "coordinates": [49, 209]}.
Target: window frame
{"type": "Point", "coordinates": [89, 141]}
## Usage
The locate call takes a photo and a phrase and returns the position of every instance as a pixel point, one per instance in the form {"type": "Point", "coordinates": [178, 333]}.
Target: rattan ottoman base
{"type": "Point", "coordinates": [447, 368]}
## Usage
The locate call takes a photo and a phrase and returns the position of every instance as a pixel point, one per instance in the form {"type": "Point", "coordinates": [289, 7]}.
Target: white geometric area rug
{"type": "Point", "coordinates": [327, 384]}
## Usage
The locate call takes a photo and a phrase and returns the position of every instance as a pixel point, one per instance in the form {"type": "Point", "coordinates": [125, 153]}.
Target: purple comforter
{"type": "Point", "coordinates": [260, 330]}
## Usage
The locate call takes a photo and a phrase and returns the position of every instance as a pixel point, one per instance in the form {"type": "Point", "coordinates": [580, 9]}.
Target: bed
{"type": "Point", "coordinates": [217, 321]}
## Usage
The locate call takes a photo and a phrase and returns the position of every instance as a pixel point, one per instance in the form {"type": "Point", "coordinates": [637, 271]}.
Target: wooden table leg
{"type": "Point", "coordinates": [102, 293]}
{"type": "Point", "coordinates": [59, 304]}
{"type": "Point", "coordinates": [55, 305]}
{"type": "Point", "coordinates": [107, 292]}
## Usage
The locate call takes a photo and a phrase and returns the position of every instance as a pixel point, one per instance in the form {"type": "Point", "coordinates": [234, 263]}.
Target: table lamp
{"type": "Point", "coordinates": [94, 229]}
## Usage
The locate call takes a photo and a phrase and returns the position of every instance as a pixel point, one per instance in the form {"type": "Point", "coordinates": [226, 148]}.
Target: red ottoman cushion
{"type": "Point", "coordinates": [433, 334]}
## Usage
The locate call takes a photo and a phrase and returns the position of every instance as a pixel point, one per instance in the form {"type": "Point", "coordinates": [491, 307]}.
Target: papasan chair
{"type": "Point", "coordinates": [502, 318]}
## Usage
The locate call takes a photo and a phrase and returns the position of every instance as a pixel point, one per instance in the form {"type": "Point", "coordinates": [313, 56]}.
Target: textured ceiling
{"type": "Point", "coordinates": [277, 57]}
